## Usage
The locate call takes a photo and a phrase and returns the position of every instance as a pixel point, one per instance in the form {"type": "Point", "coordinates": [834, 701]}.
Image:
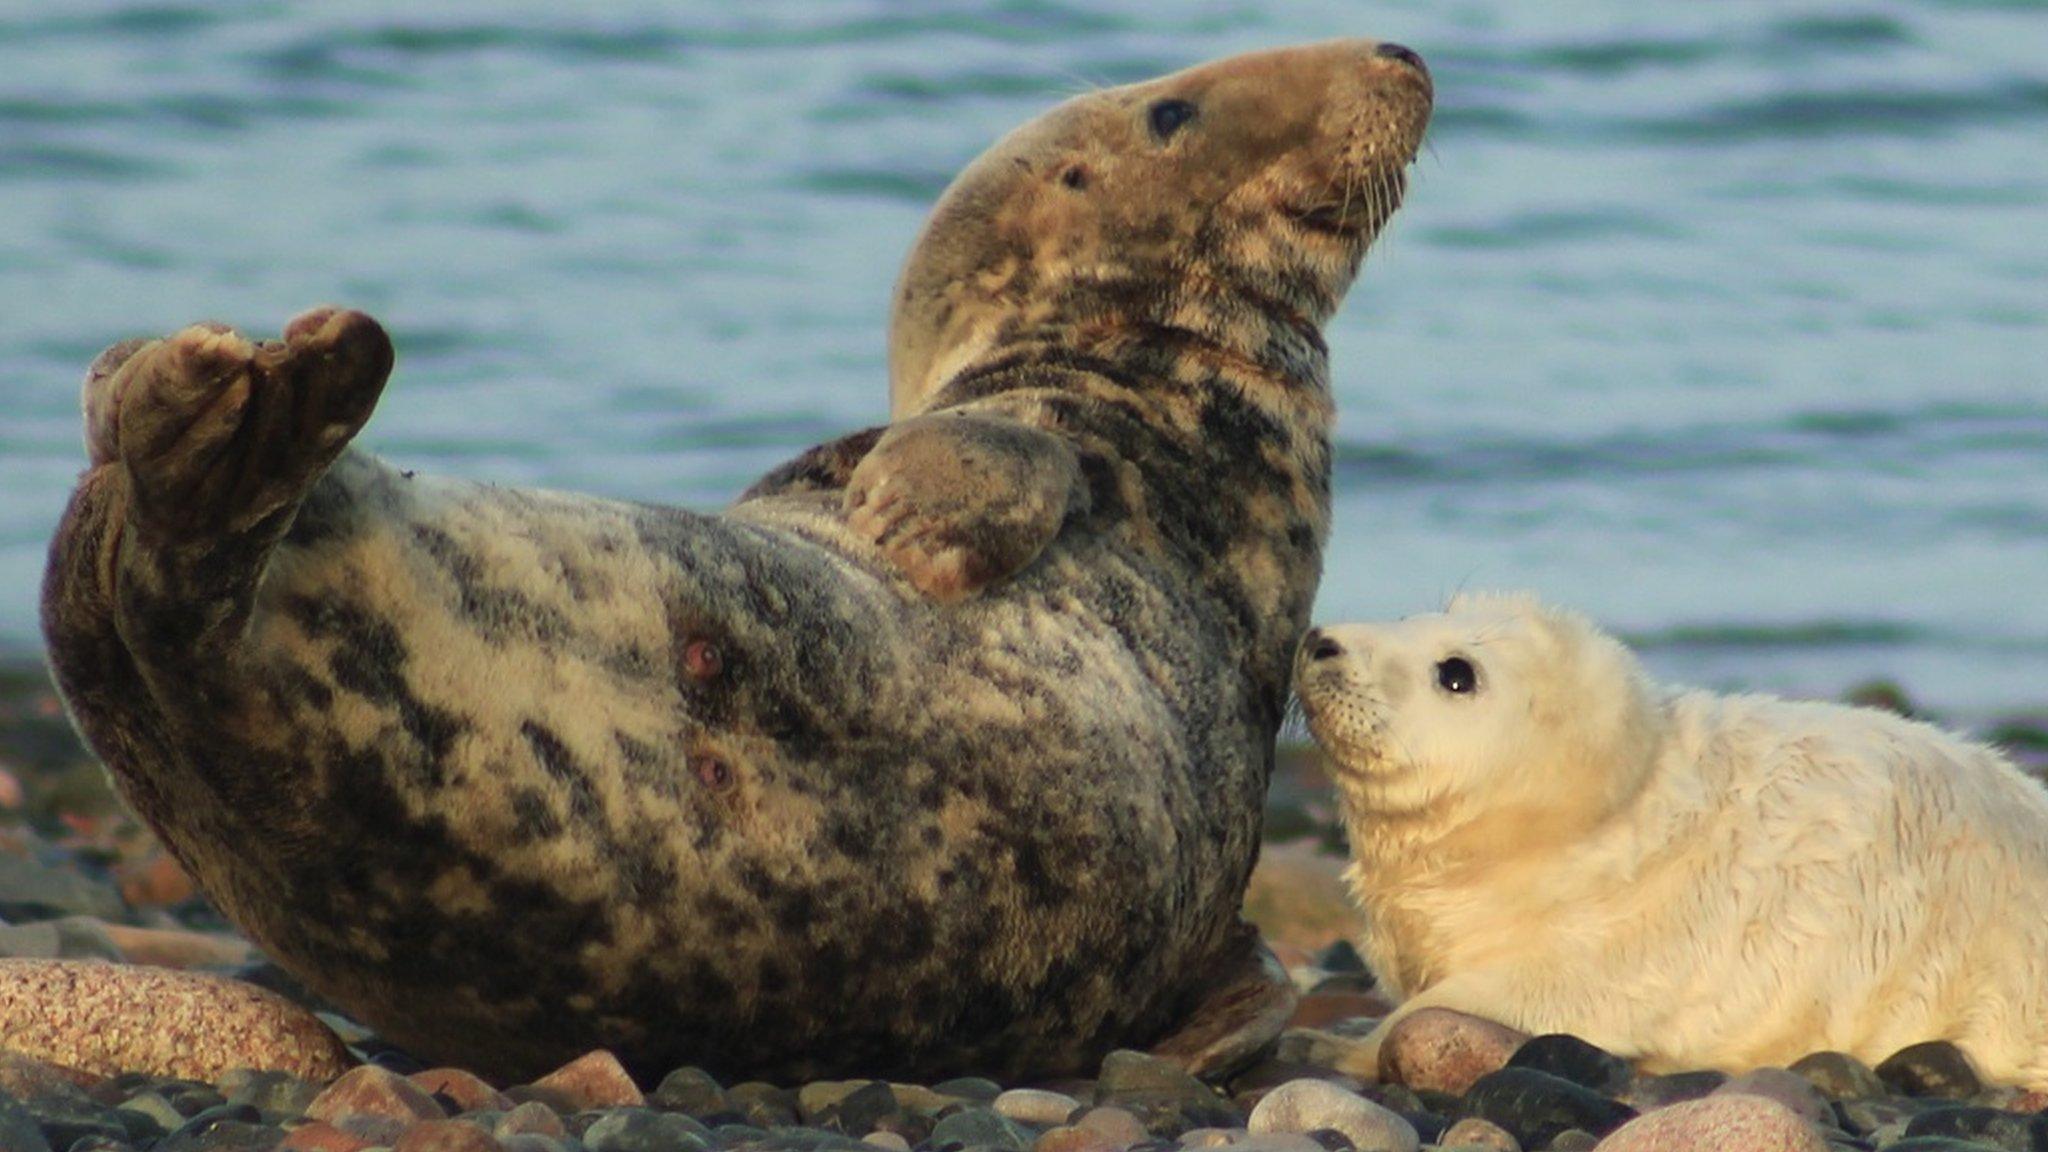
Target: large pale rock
{"type": "Point", "coordinates": [1739, 1120]}
{"type": "Point", "coordinates": [112, 1018]}
{"type": "Point", "coordinates": [1445, 1051]}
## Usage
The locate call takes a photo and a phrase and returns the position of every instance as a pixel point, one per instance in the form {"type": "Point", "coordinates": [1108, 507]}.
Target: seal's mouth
{"type": "Point", "coordinates": [1352, 213]}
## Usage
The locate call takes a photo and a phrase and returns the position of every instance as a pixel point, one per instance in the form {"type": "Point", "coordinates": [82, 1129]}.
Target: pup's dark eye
{"type": "Point", "coordinates": [1168, 115]}
{"type": "Point", "coordinates": [1456, 675]}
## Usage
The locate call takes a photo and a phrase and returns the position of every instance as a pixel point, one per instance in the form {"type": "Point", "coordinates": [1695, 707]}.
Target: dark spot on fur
{"type": "Point", "coordinates": [536, 817]}
{"type": "Point", "coordinates": [560, 764]}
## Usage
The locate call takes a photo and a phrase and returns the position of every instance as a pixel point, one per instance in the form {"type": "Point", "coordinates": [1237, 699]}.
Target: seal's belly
{"type": "Point", "coordinates": [743, 785]}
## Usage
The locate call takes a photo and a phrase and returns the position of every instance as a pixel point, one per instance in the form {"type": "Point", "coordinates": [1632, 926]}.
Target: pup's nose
{"type": "Point", "coordinates": [1404, 54]}
{"type": "Point", "coordinates": [1320, 646]}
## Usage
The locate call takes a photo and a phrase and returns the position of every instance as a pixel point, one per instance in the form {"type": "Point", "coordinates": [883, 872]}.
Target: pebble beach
{"type": "Point", "coordinates": [133, 1018]}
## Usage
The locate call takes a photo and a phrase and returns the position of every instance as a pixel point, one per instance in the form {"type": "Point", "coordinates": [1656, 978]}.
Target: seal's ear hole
{"type": "Point", "coordinates": [1074, 176]}
{"type": "Point", "coordinates": [1168, 116]}
{"type": "Point", "coordinates": [1457, 676]}
{"type": "Point", "coordinates": [714, 772]}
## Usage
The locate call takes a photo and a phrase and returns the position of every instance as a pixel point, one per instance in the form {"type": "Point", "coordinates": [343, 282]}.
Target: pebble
{"type": "Point", "coordinates": [465, 1090]}
{"type": "Point", "coordinates": [1304, 1106]}
{"type": "Point", "coordinates": [1567, 1056]}
{"type": "Point", "coordinates": [1320, 1047]}
{"type": "Point", "coordinates": [1036, 1106]}
{"type": "Point", "coordinates": [1278, 1142]}
{"type": "Point", "coordinates": [531, 1118]}
{"type": "Point", "coordinates": [863, 1109]}
{"type": "Point", "coordinates": [1118, 1126]}
{"type": "Point", "coordinates": [1160, 1093]}
{"type": "Point", "coordinates": [1839, 1076]}
{"type": "Point", "coordinates": [1738, 1120]}
{"type": "Point", "coordinates": [109, 1018]}
{"type": "Point", "coordinates": [1211, 1137]}
{"type": "Point", "coordinates": [1935, 1068]}
{"type": "Point", "coordinates": [226, 1136]}
{"type": "Point", "coordinates": [155, 1107]}
{"type": "Point", "coordinates": [2008, 1130]}
{"type": "Point", "coordinates": [645, 1130]}
{"type": "Point", "coordinates": [1446, 1051]}
{"type": "Point", "coordinates": [320, 1136]}
{"type": "Point", "coordinates": [1536, 1106]}
{"type": "Point", "coordinates": [890, 1141]}
{"type": "Point", "coordinates": [1475, 1133]}
{"type": "Point", "coordinates": [26, 1077]}
{"type": "Point", "coordinates": [1648, 1093]}
{"type": "Point", "coordinates": [593, 1080]}
{"type": "Point", "coordinates": [31, 891]}
{"type": "Point", "coordinates": [1072, 1138]}
{"type": "Point", "coordinates": [446, 1136]}
{"type": "Point", "coordinates": [689, 1090]}
{"type": "Point", "coordinates": [1786, 1087]}
{"type": "Point", "coordinates": [370, 1091]}
{"type": "Point", "coordinates": [975, 1127]}
{"type": "Point", "coordinates": [973, 1088]}
{"type": "Point", "coordinates": [1938, 1144]}
{"type": "Point", "coordinates": [763, 1105]}
{"type": "Point", "coordinates": [65, 938]}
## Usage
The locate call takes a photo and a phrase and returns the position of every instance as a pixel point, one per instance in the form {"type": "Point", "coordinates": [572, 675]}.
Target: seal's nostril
{"type": "Point", "coordinates": [1404, 54]}
{"type": "Point", "coordinates": [1321, 647]}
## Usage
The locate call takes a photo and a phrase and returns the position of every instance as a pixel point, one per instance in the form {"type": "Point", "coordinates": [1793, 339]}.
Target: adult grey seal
{"type": "Point", "coordinates": [942, 749]}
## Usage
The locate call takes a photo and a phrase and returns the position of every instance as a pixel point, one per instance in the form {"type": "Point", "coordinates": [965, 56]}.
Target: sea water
{"type": "Point", "coordinates": [1726, 323]}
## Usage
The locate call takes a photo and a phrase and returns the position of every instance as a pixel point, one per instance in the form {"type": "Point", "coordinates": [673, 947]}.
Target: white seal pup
{"type": "Point", "coordinates": [943, 749]}
{"type": "Point", "coordinates": [1542, 836]}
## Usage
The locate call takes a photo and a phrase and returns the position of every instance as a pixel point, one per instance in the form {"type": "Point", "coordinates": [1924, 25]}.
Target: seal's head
{"type": "Point", "coordinates": [1498, 722]}
{"type": "Point", "coordinates": [1263, 177]}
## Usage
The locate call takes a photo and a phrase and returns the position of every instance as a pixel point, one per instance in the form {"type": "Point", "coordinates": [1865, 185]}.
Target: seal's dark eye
{"type": "Point", "coordinates": [1456, 675]}
{"type": "Point", "coordinates": [1168, 115]}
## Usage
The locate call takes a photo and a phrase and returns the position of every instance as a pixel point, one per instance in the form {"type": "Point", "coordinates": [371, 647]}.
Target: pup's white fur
{"type": "Point", "coordinates": [1696, 880]}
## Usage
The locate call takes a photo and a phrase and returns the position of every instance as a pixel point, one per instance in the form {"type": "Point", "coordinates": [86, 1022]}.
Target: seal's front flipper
{"type": "Point", "coordinates": [959, 502]}
{"type": "Point", "coordinates": [825, 468]}
{"type": "Point", "coordinates": [1244, 1010]}
{"type": "Point", "coordinates": [216, 432]}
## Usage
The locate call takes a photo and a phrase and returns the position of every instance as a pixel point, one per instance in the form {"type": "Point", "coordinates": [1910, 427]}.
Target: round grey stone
{"type": "Point", "coordinates": [644, 1130]}
{"type": "Point", "coordinates": [1304, 1106]}
{"type": "Point", "coordinates": [981, 1127]}
{"type": "Point", "coordinates": [1036, 1106]}
{"type": "Point", "coordinates": [1839, 1076]}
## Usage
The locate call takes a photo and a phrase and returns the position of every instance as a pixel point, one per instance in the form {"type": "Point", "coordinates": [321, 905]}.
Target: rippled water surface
{"type": "Point", "coordinates": [1727, 323]}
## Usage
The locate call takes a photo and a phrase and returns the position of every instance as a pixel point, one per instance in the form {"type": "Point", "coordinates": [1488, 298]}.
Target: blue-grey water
{"type": "Point", "coordinates": [1727, 323]}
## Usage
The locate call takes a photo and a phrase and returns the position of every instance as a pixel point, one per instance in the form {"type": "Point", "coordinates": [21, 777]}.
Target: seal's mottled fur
{"type": "Point", "coordinates": [943, 749]}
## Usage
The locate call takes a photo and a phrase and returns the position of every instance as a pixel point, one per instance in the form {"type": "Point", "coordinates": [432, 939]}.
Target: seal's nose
{"type": "Point", "coordinates": [1319, 646]}
{"type": "Point", "coordinates": [1404, 54]}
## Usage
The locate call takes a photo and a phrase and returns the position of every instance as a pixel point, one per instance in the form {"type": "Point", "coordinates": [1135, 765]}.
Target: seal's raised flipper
{"type": "Point", "coordinates": [216, 432]}
{"type": "Point", "coordinates": [1243, 1011]}
{"type": "Point", "coordinates": [959, 502]}
{"type": "Point", "coordinates": [825, 468]}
